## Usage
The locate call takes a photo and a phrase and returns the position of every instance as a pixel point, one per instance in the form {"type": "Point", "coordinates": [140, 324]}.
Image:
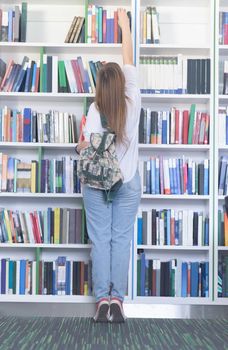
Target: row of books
{"type": "Point", "coordinates": [13, 23]}
{"type": "Point", "coordinates": [174, 126]}
{"type": "Point", "coordinates": [102, 25]}
{"type": "Point", "coordinates": [223, 176]}
{"type": "Point", "coordinates": [28, 125]}
{"type": "Point", "coordinates": [174, 176]}
{"type": "Point", "coordinates": [76, 33]}
{"type": "Point", "coordinates": [49, 74]}
{"type": "Point", "coordinates": [223, 28]}
{"type": "Point", "coordinates": [149, 26]}
{"type": "Point", "coordinates": [223, 276]}
{"type": "Point", "coordinates": [174, 75]}
{"type": "Point", "coordinates": [43, 176]}
{"type": "Point", "coordinates": [223, 125]}
{"type": "Point", "coordinates": [222, 227]}
{"type": "Point", "coordinates": [49, 226]}
{"type": "Point", "coordinates": [41, 277]}
{"type": "Point", "coordinates": [172, 278]}
{"type": "Point", "coordinates": [225, 78]}
{"type": "Point", "coordinates": [172, 227]}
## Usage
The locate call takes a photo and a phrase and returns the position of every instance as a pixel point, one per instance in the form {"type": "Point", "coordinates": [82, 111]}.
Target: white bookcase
{"type": "Point", "coordinates": [187, 27]}
{"type": "Point", "coordinates": [221, 53]}
{"type": "Point", "coordinates": [47, 26]}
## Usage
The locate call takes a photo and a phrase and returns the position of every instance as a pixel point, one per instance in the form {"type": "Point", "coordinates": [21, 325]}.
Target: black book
{"type": "Point", "coordinates": [201, 179]}
{"type": "Point", "coordinates": [45, 277]}
{"type": "Point", "coordinates": [154, 233]}
{"type": "Point", "coordinates": [74, 282]}
{"type": "Point", "coordinates": [198, 76]}
{"type": "Point", "coordinates": [52, 226]}
{"type": "Point", "coordinates": [189, 76]}
{"type": "Point", "coordinates": [162, 280]}
{"type": "Point", "coordinates": [78, 277]}
{"type": "Point", "coordinates": [195, 228]}
{"type": "Point", "coordinates": [141, 126]}
{"type": "Point", "coordinates": [31, 76]}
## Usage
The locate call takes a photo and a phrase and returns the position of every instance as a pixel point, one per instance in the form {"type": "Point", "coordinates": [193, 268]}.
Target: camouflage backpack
{"type": "Point", "coordinates": [98, 164]}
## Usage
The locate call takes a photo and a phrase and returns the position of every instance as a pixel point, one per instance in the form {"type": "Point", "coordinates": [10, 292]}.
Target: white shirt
{"type": "Point", "coordinates": [127, 154]}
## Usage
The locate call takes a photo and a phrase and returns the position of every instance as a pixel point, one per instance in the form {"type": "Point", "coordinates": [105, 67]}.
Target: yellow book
{"type": "Point", "coordinates": [7, 222]}
{"type": "Point", "coordinates": [86, 291]}
{"type": "Point", "coordinates": [56, 225]}
{"type": "Point", "coordinates": [33, 178]}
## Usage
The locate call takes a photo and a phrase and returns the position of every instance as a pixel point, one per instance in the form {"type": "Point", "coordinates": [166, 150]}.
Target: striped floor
{"type": "Point", "coordinates": [46, 333]}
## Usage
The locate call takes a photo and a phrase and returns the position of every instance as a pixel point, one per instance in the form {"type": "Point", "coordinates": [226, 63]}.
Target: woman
{"type": "Point", "coordinates": [111, 226]}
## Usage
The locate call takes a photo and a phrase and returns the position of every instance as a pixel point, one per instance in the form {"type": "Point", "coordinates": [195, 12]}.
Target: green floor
{"type": "Point", "coordinates": [46, 333]}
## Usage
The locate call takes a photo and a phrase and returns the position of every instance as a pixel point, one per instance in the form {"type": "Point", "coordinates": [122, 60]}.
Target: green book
{"type": "Point", "coordinates": [62, 77]}
{"type": "Point", "coordinates": [191, 123]}
{"type": "Point", "coordinates": [41, 68]}
{"type": "Point", "coordinates": [138, 276]}
{"type": "Point", "coordinates": [100, 31]}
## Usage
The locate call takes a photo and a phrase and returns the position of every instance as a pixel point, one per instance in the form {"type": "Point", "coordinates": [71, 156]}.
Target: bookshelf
{"type": "Point", "coordinates": [177, 20]}
{"type": "Point", "coordinates": [221, 100]}
{"type": "Point", "coordinates": [47, 26]}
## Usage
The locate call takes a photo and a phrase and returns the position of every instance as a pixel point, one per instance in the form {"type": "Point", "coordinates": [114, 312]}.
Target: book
{"type": "Point", "coordinates": [149, 26]}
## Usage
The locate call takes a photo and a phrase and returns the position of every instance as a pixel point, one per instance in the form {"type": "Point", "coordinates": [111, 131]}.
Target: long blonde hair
{"type": "Point", "coordinates": [110, 98]}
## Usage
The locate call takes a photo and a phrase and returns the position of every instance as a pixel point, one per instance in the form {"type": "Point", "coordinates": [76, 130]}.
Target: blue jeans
{"type": "Point", "coordinates": [110, 228]}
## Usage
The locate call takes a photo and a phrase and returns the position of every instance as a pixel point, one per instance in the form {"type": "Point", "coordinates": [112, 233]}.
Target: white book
{"type": "Point", "coordinates": [166, 176]}
{"type": "Point", "coordinates": [55, 74]}
{"type": "Point", "coordinates": [29, 227]}
{"type": "Point", "coordinates": [149, 227]}
{"type": "Point", "coordinates": [155, 26]}
{"type": "Point", "coordinates": [173, 109]}
{"type": "Point", "coordinates": [56, 123]}
{"type": "Point", "coordinates": [149, 29]}
{"type": "Point", "coordinates": [66, 127]}
{"type": "Point", "coordinates": [61, 127]}
{"type": "Point", "coordinates": [89, 24]}
{"type": "Point", "coordinates": [185, 228]}
{"type": "Point", "coordinates": [190, 228]}
{"type": "Point", "coordinates": [70, 76]}
{"type": "Point", "coordinates": [33, 277]}
{"type": "Point", "coordinates": [222, 125]}
{"type": "Point", "coordinates": [183, 62]}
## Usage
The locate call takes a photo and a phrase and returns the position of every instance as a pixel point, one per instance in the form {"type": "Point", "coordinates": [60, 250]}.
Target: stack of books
{"type": "Point", "coordinates": [30, 126]}
{"type": "Point", "coordinates": [13, 24]}
{"type": "Point", "coordinates": [172, 227]}
{"type": "Point", "coordinates": [49, 226]}
{"type": "Point", "coordinates": [174, 126]}
{"type": "Point", "coordinates": [149, 26]}
{"type": "Point", "coordinates": [41, 277]}
{"type": "Point", "coordinates": [174, 176]}
{"type": "Point", "coordinates": [174, 75]}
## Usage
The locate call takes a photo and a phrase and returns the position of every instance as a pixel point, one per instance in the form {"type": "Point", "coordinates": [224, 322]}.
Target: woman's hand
{"type": "Point", "coordinates": [123, 19]}
{"type": "Point", "coordinates": [82, 145]}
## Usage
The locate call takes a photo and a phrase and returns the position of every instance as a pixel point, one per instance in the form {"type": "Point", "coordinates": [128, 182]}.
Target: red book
{"type": "Point", "coordinates": [39, 234]}
{"type": "Point", "coordinates": [185, 127]}
{"type": "Point", "coordinates": [172, 231]}
{"type": "Point", "coordinates": [93, 39]}
{"type": "Point", "coordinates": [115, 27]}
{"type": "Point", "coordinates": [189, 281]}
{"type": "Point", "coordinates": [104, 26]}
{"type": "Point", "coordinates": [37, 79]}
{"type": "Point", "coordinates": [206, 134]}
{"type": "Point", "coordinates": [195, 136]}
{"type": "Point", "coordinates": [20, 127]}
{"type": "Point", "coordinates": [79, 76]}
{"type": "Point", "coordinates": [76, 76]}
{"type": "Point", "coordinates": [225, 31]}
{"type": "Point", "coordinates": [177, 117]}
{"type": "Point", "coordinates": [8, 71]}
{"type": "Point", "coordinates": [33, 227]}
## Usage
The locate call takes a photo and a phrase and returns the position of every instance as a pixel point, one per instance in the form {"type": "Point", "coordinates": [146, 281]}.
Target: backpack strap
{"type": "Point", "coordinates": [104, 122]}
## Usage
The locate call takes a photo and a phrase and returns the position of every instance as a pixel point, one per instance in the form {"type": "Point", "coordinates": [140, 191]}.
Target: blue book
{"type": "Point", "coordinates": [22, 277]}
{"type": "Point", "coordinates": [176, 230]}
{"type": "Point", "coordinates": [10, 25]}
{"type": "Point", "coordinates": [194, 279]}
{"type": "Point", "coordinates": [108, 28]}
{"type": "Point", "coordinates": [148, 176]}
{"type": "Point", "coordinates": [68, 274]}
{"type": "Point", "coordinates": [153, 176]}
{"type": "Point", "coordinates": [14, 126]}
{"type": "Point", "coordinates": [21, 75]}
{"type": "Point", "coordinates": [206, 177]}
{"type": "Point", "coordinates": [181, 176]}
{"type": "Point", "coordinates": [3, 276]}
{"type": "Point", "coordinates": [178, 176]}
{"type": "Point", "coordinates": [27, 125]}
{"type": "Point", "coordinates": [222, 174]}
{"type": "Point", "coordinates": [205, 279]}
{"type": "Point", "coordinates": [184, 279]}
{"type": "Point", "coordinates": [164, 130]}
{"type": "Point", "coordinates": [112, 30]}
{"type": "Point", "coordinates": [28, 73]}
{"type": "Point", "coordinates": [93, 71]}
{"type": "Point", "coordinates": [140, 229]}
{"type": "Point", "coordinates": [34, 77]}
{"type": "Point", "coordinates": [206, 231]}
{"type": "Point", "coordinates": [143, 273]}
{"type": "Point", "coordinates": [189, 185]}
{"type": "Point", "coordinates": [168, 216]}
